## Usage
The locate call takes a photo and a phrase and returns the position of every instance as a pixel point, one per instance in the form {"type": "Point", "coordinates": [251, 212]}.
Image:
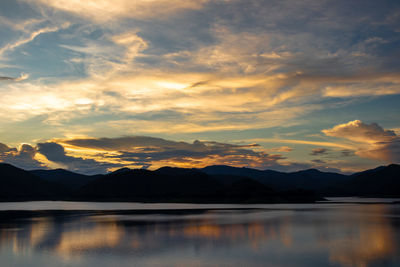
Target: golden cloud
{"type": "Point", "coordinates": [106, 10]}
{"type": "Point", "coordinates": [371, 140]}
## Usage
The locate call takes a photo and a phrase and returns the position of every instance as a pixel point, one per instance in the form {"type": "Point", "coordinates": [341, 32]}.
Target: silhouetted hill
{"type": "Point", "coordinates": [214, 184]}
{"type": "Point", "coordinates": [69, 180]}
{"type": "Point", "coordinates": [383, 181]}
{"type": "Point", "coordinates": [184, 185]}
{"type": "Point", "coordinates": [249, 190]}
{"type": "Point", "coordinates": [369, 171]}
{"type": "Point", "coordinates": [228, 170]}
{"type": "Point", "coordinates": [226, 179]}
{"type": "Point", "coordinates": [165, 183]}
{"type": "Point", "coordinates": [311, 179]}
{"type": "Point", "coordinates": [16, 184]}
{"type": "Point", "coordinates": [268, 177]}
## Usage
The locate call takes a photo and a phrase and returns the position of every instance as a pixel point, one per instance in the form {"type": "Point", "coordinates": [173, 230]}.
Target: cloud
{"type": "Point", "coordinates": [20, 24]}
{"type": "Point", "coordinates": [132, 43]}
{"type": "Point", "coordinates": [318, 151]}
{"type": "Point", "coordinates": [131, 143]}
{"type": "Point", "coordinates": [371, 140]}
{"type": "Point", "coordinates": [24, 157]}
{"type": "Point", "coordinates": [106, 10]}
{"type": "Point", "coordinates": [388, 84]}
{"type": "Point", "coordinates": [4, 148]}
{"type": "Point", "coordinates": [318, 161]}
{"type": "Point", "coordinates": [56, 153]}
{"type": "Point", "coordinates": [100, 155]}
{"type": "Point", "coordinates": [141, 98]}
{"type": "Point", "coordinates": [347, 153]}
{"type": "Point", "coordinates": [361, 132]}
{"type": "Point", "coordinates": [281, 149]}
{"type": "Point", "coordinates": [22, 77]}
{"type": "Point", "coordinates": [303, 142]}
{"type": "Point", "coordinates": [6, 78]}
{"type": "Point", "coordinates": [30, 38]}
{"type": "Point", "coordinates": [157, 152]}
{"type": "Point", "coordinates": [180, 67]}
{"type": "Point", "coordinates": [383, 151]}
{"type": "Point", "coordinates": [220, 70]}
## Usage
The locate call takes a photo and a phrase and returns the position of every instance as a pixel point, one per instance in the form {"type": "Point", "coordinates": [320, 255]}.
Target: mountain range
{"type": "Point", "coordinates": [212, 184]}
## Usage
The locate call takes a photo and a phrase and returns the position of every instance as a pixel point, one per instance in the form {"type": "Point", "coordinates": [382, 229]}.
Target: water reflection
{"type": "Point", "coordinates": [82, 239]}
{"type": "Point", "coordinates": [326, 235]}
{"type": "Point", "coordinates": [369, 236]}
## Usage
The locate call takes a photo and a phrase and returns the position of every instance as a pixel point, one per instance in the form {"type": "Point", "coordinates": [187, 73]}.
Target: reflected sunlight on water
{"type": "Point", "coordinates": [82, 239]}
{"type": "Point", "coordinates": [366, 239]}
{"type": "Point", "coordinates": [325, 235]}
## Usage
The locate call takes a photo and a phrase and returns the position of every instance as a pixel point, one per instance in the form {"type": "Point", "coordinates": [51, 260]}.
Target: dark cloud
{"type": "Point", "coordinates": [318, 151]}
{"type": "Point", "coordinates": [145, 150]}
{"type": "Point", "coordinates": [281, 149]}
{"type": "Point", "coordinates": [323, 37]}
{"type": "Point", "coordinates": [127, 143]}
{"type": "Point", "coordinates": [14, 79]}
{"type": "Point", "coordinates": [4, 148]}
{"type": "Point", "coordinates": [198, 84]}
{"type": "Point", "coordinates": [347, 153]}
{"type": "Point", "coordinates": [2, 78]}
{"type": "Point", "coordinates": [318, 161]}
{"type": "Point", "coordinates": [24, 157]}
{"type": "Point", "coordinates": [56, 153]}
{"type": "Point", "coordinates": [53, 152]}
{"type": "Point", "coordinates": [387, 151]}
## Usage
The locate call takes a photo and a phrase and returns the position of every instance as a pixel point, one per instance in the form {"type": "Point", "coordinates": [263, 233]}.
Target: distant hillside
{"type": "Point", "coordinates": [142, 184]}
{"type": "Point", "coordinates": [213, 184]}
{"type": "Point", "coordinates": [228, 170]}
{"type": "Point", "coordinates": [383, 181]}
{"type": "Point", "coordinates": [17, 184]}
{"type": "Point", "coordinates": [185, 185]}
{"type": "Point", "coordinates": [311, 179]}
{"type": "Point", "coordinates": [228, 174]}
{"type": "Point", "coordinates": [69, 180]}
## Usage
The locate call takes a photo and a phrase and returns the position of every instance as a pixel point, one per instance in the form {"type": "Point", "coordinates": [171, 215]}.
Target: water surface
{"type": "Point", "coordinates": [325, 234]}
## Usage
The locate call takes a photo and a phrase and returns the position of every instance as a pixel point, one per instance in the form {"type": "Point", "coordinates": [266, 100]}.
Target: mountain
{"type": "Point", "coordinates": [184, 185]}
{"type": "Point", "coordinates": [69, 180]}
{"type": "Point", "coordinates": [310, 179]}
{"type": "Point", "coordinates": [383, 181]}
{"type": "Point", "coordinates": [228, 170]}
{"type": "Point", "coordinates": [213, 184]}
{"type": "Point", "coordinates": [165, 183]}
{"type": "Point", "coordinates": [16, 184]}
{"type": "Point", "coordinates": [228, 175]}
{"type": "Point", "coordinates": [313, 179]}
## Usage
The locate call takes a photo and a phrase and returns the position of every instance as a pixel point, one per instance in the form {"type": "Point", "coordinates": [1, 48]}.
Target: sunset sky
{"type": "Point", "coordinates": [96, 85]}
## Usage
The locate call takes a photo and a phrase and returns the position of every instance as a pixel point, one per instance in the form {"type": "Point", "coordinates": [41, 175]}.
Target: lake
{"type": "Point", "coordinates": [337, 233]}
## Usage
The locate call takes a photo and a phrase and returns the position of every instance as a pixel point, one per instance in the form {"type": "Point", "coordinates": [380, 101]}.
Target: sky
{"type": "Point", "coordinates": [92, 86]}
